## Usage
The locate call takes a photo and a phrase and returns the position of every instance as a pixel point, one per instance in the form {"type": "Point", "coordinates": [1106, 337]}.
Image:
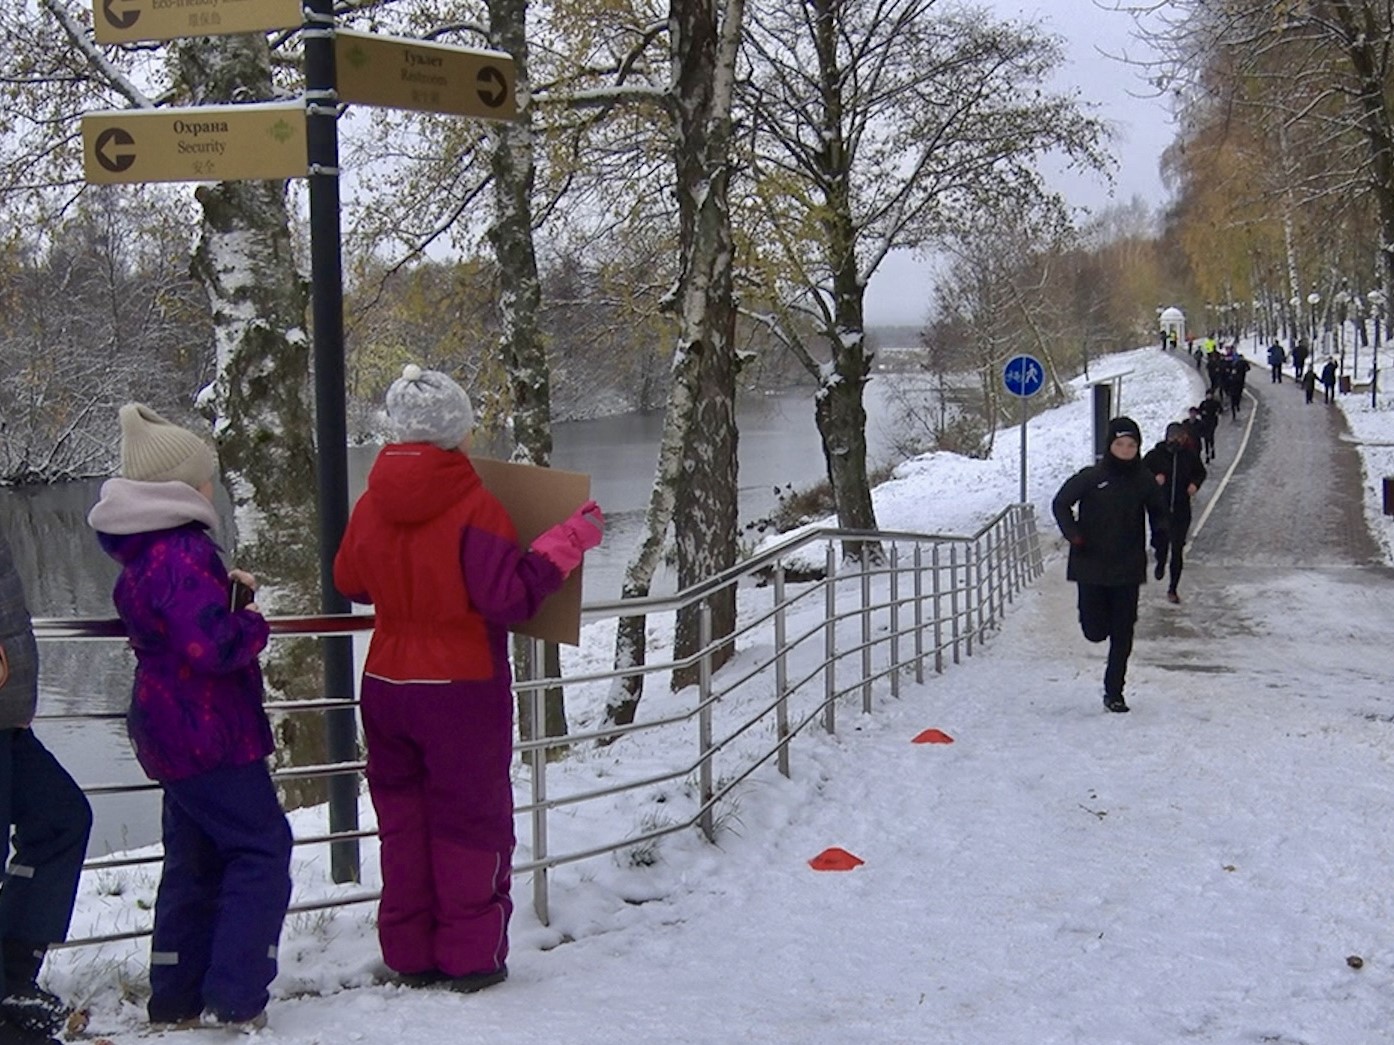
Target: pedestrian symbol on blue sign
{"type": "Point", "coordinates": [1024, 376]}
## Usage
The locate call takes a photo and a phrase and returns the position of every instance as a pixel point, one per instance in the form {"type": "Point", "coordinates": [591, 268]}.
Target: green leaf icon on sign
{"type": "Point", "coordinates": [281, 131]}
{"type": "Point", "coordinates": [357, 56]}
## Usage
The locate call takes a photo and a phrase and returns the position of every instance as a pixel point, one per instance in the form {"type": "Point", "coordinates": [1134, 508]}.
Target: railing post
{"type": "Point", "coordinates": [919, 612]}
{"type": "Point", "coordinates": [995, 601]}
{"type": "Point", "coordinates": [781, 672]}
{"type": "Point", "coordinates": [1037, 564]}
{"type": "Point", "coordinates": [1019, 547]}
{"type": "Point", "coordinates": [938, 585]}
{"type": "Point", "coordinates": [866, 628]}
{"type": "Point", "coordinates": [972, 608]}
{"type": "Point", "coordinates": [830, 642]}
{"type": "Point", "coordinates": [704, 720]}
{"type": "Point", "coordinates": [953, 596]}
{"type": "Point", "coordinates": [537, 762]}
{"type": "Point", "coordinates": [895, 620]}
{"type": "Point", "coordinates": [1018, 552]}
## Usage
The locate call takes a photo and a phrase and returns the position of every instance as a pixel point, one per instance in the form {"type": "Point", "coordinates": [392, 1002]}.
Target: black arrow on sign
{"type": "Point", "coordinates": [119, 161]}
{"type": "Point", "coordinates": [493, 88]}
{"type": "Point", "coordinates": [118, 19]}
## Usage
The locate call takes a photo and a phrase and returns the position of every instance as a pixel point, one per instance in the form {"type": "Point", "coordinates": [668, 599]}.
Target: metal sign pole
{"type": "Point", "coordinates": [1023, 377]}
{"type": "Point", "coordinates": [1022, 498]}
{"type": "Point", "coordinates": [331, 426]}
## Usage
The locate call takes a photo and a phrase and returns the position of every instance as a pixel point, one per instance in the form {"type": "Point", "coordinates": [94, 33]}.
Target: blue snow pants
{"type": "Point", "coordinates": [223, 895]}
{"type": "Point", "coordinates": [51, 820]}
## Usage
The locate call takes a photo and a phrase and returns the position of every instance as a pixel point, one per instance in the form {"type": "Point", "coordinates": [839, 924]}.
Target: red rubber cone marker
{"type": "Point", "coordinates": [835, 859]}
{"type": "Point", "coordinates": [933, 736]}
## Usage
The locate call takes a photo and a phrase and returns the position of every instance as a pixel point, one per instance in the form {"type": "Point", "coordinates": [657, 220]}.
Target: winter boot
{"type": "Point", "coordinates": [428, 978]}
{"type": "Point", "coordinates": [10, 1034]}
{"type": "Point", "coordinates": [26, 1005]}
{"type": "Point", "coordinates": [250, 1026]}
{"type": "Point", "coordinates": [1115, 703]}
{"type": "Point", "coordinates": [475, 981]}
{"type": "Point", "coordinates": [1173, 597]}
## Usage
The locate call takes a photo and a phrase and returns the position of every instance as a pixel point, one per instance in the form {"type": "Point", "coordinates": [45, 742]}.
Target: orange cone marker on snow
{"type": "Point", "coordinates": [835, 859]}
{"type": "Point", "coordinates": [933, 736]}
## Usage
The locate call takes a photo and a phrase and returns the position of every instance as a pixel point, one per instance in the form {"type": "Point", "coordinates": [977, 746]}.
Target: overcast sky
{"type": "Point", "coordinates": [1142, 126]}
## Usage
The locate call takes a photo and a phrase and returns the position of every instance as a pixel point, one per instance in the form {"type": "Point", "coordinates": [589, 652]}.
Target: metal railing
{"type": "Point", "coordinates": [801, 647]}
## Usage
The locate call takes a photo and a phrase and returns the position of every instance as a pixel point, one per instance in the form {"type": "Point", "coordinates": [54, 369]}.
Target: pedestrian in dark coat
{"type": "Point", "coordinates": [1235, 374]}
{"type": "Point", "coordinates": [1102, 510]}
{"type": "Point", "coordinates": [198, 727]}
{"type": "Point", "coordinates": [438, 557]}
{"type": "Point", "coordinates": [1328, 381]}
{"type": "Point", "coordinates": [1215, 371]}
{"type": "Point", "coordinates": [1309, 383]}
{"type": "Point", "coordinates": [1276, 358]}
{"type": "Point", "coordinates": [51, 820]}
{"type": "Point", "coordinates": [1179, 470]}
{"type": "Point", "coordinates": [1210, 410]}
{"type": "Point", "coordinates": [1299, 357]}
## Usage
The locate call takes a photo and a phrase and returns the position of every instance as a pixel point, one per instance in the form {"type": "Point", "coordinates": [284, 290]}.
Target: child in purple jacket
{"type": "Point", "coordinates": [198, 727]}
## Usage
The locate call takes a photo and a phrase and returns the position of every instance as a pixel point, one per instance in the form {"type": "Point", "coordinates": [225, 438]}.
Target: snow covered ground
{"type": "Point", "coordinates": [1198, 870]}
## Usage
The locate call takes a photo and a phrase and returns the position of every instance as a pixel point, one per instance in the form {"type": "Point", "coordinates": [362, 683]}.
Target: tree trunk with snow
{"type": "Point", "coordinates": [696, 473]}
{"type": "Point", "coordinates": [259, 400]}
{"type": "Point", "coordinates": [513, 167]}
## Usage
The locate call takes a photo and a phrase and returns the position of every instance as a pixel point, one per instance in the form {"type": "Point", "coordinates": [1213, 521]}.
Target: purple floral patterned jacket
{"type": "Point", "coordinates": [197, 700]}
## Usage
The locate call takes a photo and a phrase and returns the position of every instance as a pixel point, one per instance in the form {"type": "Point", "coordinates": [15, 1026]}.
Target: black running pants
{"type": "Point", "coordinates": [1110, 612]}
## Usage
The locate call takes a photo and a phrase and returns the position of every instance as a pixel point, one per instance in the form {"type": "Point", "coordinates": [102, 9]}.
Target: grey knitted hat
{"type": "Point", "coordinates": [426, 406]}
{"type": "Point", "coordinates": [155, 450]}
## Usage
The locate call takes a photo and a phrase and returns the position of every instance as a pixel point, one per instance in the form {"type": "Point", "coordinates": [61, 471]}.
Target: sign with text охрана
{"type": "Point", "coordinates": [123, 21]}
{"type": "Point", "coordinates": [209, 143]}
{"type": "Point", "coordinates": [400, 73]}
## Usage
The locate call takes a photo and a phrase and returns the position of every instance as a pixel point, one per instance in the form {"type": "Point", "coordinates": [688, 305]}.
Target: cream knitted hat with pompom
{"type": "Point", "coordinates": [426, 406]}
{"type": "Point", "coordinates": [155, 450]}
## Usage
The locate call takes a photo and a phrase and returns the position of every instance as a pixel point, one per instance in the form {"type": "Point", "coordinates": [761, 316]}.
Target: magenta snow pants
{"type": "Point", "coordinates": [438, 762]}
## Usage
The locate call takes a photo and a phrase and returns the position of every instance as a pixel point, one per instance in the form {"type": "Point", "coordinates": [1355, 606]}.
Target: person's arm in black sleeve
{"type": "Point", "coordinates": [1157, 514]}
{"type": "Point", "coordinates": [1063, 506]}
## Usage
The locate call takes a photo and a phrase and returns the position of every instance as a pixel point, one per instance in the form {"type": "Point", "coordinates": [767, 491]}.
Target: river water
{"type": "Point", "coordinates": [67, 575]}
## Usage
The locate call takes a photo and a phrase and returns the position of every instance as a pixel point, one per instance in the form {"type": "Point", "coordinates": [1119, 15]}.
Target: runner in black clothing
{"type": "Point", "coordinates": [1178, 468]}
{"type": "Point", "coordinates": [1209, 420]}
{"type": "Point", "coordinates": [1100, 510]}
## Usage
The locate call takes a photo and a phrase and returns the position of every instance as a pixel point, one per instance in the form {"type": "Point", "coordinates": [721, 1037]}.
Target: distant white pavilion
{"type": "Point", "coordinates": [1173, 321]}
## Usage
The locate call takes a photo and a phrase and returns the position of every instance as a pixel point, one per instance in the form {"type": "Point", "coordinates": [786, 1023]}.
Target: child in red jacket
{"type": "Point", "coordinates": [438, 557]}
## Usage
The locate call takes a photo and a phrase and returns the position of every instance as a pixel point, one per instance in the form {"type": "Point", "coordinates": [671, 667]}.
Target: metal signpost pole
{"type": "Point", "coordinates": [1022, 498]}
{"type": "Point", "coordinates": [1023, 377]}
{"type": "Point", "coordinates": [229, 142]}
{"type": "Point", "coordinates": [331, 427]}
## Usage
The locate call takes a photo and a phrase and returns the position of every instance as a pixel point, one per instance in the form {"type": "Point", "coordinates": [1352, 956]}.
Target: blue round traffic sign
{"type": "Point", "coordinates": [1023, 376]}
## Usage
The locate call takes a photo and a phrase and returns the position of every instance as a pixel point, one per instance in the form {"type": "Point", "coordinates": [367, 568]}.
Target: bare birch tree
{"type": "Point", "coordinates": [881, 125]}
{"type": "Point", "coordinates": [1318, 71]}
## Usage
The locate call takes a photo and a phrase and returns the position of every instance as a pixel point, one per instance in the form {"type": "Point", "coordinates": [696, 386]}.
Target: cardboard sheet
{"type": "Point", "coordinates": [536, 499]}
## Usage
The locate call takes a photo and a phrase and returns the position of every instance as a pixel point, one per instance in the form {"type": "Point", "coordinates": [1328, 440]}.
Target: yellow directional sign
{"type": "Point", "coordinates": [210, 143]}
{"type": "Point", "coordinates": [120, 21]}
{"type": "Point", "coordinates": [400, 73]}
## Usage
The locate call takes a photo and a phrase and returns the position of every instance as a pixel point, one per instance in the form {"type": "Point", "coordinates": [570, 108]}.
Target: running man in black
{"type": "Point", "coordinates": [1101, 511]}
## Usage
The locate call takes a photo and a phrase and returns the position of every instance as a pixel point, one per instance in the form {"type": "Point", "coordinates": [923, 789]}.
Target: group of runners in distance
{"type": "Point", "coordinates": [1226, 370]}
{"type": "Point", "coordinates": [1307, 378]}
{"type": "Point", "coordinates": [1105, 510]}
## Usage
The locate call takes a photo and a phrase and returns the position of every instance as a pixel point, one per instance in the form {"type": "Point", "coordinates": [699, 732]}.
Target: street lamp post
{"type": "Point", "coordinates": [1377, 303]}
{"type": "Point", "coordinates": [1340, 305]}
{"type": "Point", "coordinates": [1313, 300]}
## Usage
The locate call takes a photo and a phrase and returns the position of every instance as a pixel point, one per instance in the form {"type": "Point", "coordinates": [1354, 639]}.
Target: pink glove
{"type": "Point", "coordinates": [567, 542]}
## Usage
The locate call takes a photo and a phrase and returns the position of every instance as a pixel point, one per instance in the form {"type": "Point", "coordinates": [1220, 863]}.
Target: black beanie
{"type": "Point", "coordinates": [1124, 426]}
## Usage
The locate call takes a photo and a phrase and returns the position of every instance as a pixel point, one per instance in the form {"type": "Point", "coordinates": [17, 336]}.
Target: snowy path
{"type": "Point", "coordinates": [1198, 870]}
{"type": "Point", "coordinates": [1195, 871]}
